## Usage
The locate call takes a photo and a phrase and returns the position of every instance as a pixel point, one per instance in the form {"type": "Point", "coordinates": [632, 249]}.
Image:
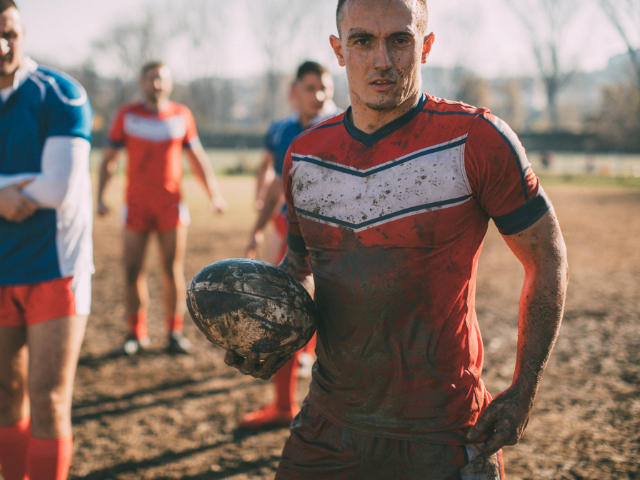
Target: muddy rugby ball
{"type": "Point", "coordinates": [251, 306]}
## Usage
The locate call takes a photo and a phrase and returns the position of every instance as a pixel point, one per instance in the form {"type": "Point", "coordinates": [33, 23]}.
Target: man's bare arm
{"type": "Point", "coordinates": [110, 159]}
{"type": "Point", "coordinates": [264, 176]}
{"type": "Point", "coordinates": [204, 172]}
{"type": "Point", "coordinates": [297, 265]}
{"type": "Point", "coordinates": [272, 199]}
{"type": "Point", "coordinates": [541, 250]}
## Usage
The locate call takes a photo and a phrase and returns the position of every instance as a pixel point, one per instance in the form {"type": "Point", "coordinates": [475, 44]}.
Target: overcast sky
{"type": "Point", "coordinates": [483, 35]}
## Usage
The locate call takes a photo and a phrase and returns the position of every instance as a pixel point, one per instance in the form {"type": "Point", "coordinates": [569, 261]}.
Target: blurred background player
{"type": "Point", "coordinates": [311, 97]}
{"type": "Point", "coordinates": [154, 132]}
{"type": "Point", "coordinates": [46, 257]}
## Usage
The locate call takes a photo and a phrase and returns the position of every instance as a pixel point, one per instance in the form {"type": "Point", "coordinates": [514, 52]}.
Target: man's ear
{"type": "Point", "coordinates": [336, 44]}
{"type": "Point", "coordinates": [426, 46]}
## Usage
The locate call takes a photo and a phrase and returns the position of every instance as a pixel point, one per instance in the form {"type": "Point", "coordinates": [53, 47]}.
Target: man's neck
{"type": "Point", "coordinates": [155, 106]}
{"type": "Point", "coordinates": [6, 81]}
{"type": "Point", "coordinates": [305, 120]}
{"type": "Point", "coordinates": [369, 120]}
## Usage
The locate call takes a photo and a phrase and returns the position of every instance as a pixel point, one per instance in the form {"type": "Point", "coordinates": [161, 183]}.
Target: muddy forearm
{"type": "Point", "coordinates": [297, 265]}
{"type": "Point", "coordinates": [541, 310]}
{"type": "Point", "coordinates": [543, 255]}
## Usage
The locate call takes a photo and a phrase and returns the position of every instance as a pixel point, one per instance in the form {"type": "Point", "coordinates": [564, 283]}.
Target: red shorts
{"type": "Point", "coordinates": [320, 449]}
{"type": "Point", "coordinates": [27, 305]}
{"type": "Point", "coordinates": [161, 218]}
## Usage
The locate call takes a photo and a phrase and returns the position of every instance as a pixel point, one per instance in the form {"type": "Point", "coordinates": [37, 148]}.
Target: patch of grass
{"type": "Point", "coordinates": [591, 180]}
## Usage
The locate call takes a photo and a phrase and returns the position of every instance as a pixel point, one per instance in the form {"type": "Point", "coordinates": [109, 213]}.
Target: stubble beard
{"type": "Point", "coordinates": [10, 68]}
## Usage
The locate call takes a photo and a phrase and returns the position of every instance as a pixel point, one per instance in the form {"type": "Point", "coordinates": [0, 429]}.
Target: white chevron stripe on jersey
{"type": "Point", "coordinates": [154, 129]}
{"type": "Point", "coordinates": [331, 194]}
{"type": "Point", "coordinates": [383, 166]}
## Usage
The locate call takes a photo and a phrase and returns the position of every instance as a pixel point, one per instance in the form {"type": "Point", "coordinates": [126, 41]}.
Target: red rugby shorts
{"type": "Point", "coordinates": [160, 218]}
{"type": "Point", "coordinates": [27, 305]}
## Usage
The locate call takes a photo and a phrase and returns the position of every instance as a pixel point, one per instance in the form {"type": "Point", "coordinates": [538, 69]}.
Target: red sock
{"type": "Point", "coordinates": [49, 459]}
{"type": "Point", "coordinates": [138, 324]}
{"type": "Point", "coordinates": [286, 382]}
{"type": "Point", "coordinates": [14, 441]}
{"type": "Point", "coordinates": [174, 323]}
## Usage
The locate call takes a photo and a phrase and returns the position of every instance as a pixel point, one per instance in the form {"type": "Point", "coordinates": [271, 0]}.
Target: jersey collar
{"type": "Point", "coordinates": [369, 139]}
{"type": "Point", "coordinates": [26, 68]}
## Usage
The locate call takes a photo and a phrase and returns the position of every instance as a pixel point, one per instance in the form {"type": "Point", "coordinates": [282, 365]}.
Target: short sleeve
{"type": "Point", "coordinates": [295, 242]}
{"type": "Point", "coordinates": [501, 177]}
{"type": "Point", "coordinates": [70, 113]}
{"type": "Point", "coordinates": [191, 138]}
{"type": "Point", "coordinates": [116, 137]}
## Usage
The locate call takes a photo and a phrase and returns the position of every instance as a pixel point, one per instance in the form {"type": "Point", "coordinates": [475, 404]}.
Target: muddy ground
{"type": "Point", "coordinates": [161, 417]}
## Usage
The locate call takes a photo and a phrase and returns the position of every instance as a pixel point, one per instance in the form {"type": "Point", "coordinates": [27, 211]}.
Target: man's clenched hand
{"type": "Point", "coordinates": [503, 421]}
{"type": "Point", "coordinates": [14, 206]}
{"type": "Point", "coordinates": [251, 365]}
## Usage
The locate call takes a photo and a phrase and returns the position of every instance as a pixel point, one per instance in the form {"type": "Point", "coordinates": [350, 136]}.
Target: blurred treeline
{"type": "Point", "coordinates": [560, 108]}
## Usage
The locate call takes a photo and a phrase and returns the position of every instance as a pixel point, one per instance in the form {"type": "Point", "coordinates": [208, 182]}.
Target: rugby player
{"type": "Point", "coordinates": [46, 257]}
{"type": "Point", "coordinates": [387, 208]}
{"type": "Point", "coordinates": [311, 96]}
{"type": "Point", "coordinates": [154, 132]}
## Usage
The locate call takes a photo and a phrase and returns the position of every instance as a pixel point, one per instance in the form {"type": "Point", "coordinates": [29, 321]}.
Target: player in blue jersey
{"type": "Point", "coordinates": [46, 257]}
{"type": "Point", "coordinates": [311, 97]}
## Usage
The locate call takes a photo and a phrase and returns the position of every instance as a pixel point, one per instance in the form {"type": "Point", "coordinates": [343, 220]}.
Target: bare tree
{"type": "Point", "coordinates": [203, 23]}
{"type": "Point", "coordinates": [547, 22]}
{"type": "Point", "coordinates": [129, 45]}
{"type": "Point", "coordinates": [624, 15]}
{"type": "Point", "coordinates": [278, 27]}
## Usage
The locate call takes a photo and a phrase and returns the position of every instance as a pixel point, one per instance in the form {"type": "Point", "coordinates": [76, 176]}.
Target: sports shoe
{"type": "Point", "coordinates": [133, 345]}
{"type": "Point", "coordinates": [269, 416]}
{"type": "Point", "coordinates": [178, 343]}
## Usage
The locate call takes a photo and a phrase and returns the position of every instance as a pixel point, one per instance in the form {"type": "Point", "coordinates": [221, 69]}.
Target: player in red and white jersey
{"type": "Point", "coordinates": [388, 205]}
{"type": "Point", "coordinates": [154, 132]}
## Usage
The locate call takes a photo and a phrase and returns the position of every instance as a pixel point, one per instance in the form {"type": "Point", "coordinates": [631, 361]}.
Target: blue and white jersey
{"type": "Point", "coordinates": [282, 132]}
{"type": "Point", "coordinates": [45, 132]}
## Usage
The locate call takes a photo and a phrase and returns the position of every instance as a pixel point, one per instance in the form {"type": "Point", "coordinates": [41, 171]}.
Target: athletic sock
{"type": "Point", "coordinates": [286, 382]}
{"type": "Point", "coordinates": [174, 323]}
{"type": "Point", "coordinates": [138, 324]}
{"type": "Point", "coordinates": [49, 459]}
{"type": "Point", "coordinates": [14, 441]}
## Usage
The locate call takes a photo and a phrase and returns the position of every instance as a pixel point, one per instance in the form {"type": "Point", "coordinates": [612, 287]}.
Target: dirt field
{"type": "Point", "coordinates": [156, 417]}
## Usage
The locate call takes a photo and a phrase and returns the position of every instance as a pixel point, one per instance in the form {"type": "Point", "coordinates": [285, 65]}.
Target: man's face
{"type": "Point", "coordinates": [310, 93]}
{"type": "Point", "coordinates": [11, 41]}
{"type": "Point", "coordinates": [382, 48]}
{"type": "Point", "coordinates": [157, 84]}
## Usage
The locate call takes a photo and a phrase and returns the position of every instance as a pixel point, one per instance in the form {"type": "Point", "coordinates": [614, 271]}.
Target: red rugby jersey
{"type": "Point", "coordinates": [154, 142]}
{"type": "Point", "coordinates": [394, 223]}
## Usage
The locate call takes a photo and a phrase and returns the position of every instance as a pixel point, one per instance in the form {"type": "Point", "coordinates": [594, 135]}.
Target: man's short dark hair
{"type": "Point", "coordinates": [7, 4]}
{"type": "Point", "coordinates": [148, 66]}
{"type": "Point", "coordinates": [422, 22]}
{"type": "Point", "coordinates": [310, 67]}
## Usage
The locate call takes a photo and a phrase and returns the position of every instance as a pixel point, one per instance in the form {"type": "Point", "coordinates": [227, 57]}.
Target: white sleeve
{"type": "Point", "coordinates": [65, 160]}
{"type": "Point", "coordinates": [8, 180]}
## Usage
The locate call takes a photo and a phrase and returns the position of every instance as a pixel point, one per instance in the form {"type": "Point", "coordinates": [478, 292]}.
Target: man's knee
{"type": "Point", "coordinates": [49, 403]}
{"type": "Point", "coordinates": [11, 393]}
{"type": "Point", "coordinates": [173, 269]}
{"type": "Point", "coordinates": [132, 272]}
